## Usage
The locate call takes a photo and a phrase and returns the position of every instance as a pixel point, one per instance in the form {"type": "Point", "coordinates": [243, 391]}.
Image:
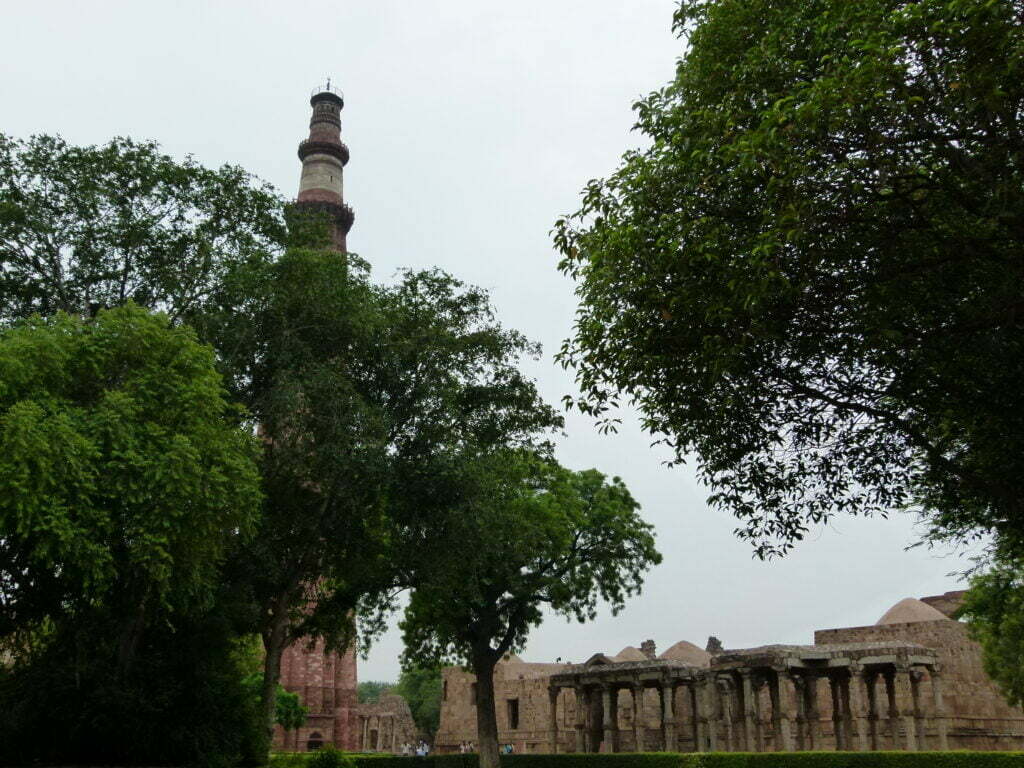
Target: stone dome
{"type": "Point", "coordinates": [909, 610]}
{"type": "Point", "coordinates": [688, 653]}
{"type": "Point", "coordinates": [629, 653]}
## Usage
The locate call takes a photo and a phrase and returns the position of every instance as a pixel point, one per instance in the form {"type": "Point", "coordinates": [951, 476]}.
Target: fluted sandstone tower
{"type": "Point", "coordinates": [323, 157]}
{"type": "Point", "coordinates": [325, 680]}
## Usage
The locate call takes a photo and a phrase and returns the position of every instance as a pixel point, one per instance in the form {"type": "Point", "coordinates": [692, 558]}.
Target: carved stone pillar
{"type": "Point", "coordinates": [553, 700]}
{"type": "Point", "coordinates": [610, 700]}
{"type": "Point", "coordinates": [366, 738]}
{"type": "Point", "coordinates": [638, 717]}
{"type": "Point", "coordinates": [779, 691]}
{"type": "Point", "coordinates": [800, 696]}
{"type": "Point", "coordinates": [726, 713]}
{"type": "Point", "coordinates": [811, 711]}
{"type": "Point", "coordinates": [747, 702]}
{"type": "Point", "coordinates": [939, 711]}
{"type": "Point", "coordinates": [894, 713]}
{"type": "Point", "coordinates": [855, 698]}
{"type": "Point", "coordinates": [837, 713]}
{"type": "Point", "coordinates": [695, 731]}
{"type": "Point", "coordinates": [711, 706]}
{"type": "Point", "coordinates": [871, 687]}
{"type": "Point", "coordinates": [920, 723]}
{"type": "Point", "coordinates": [759, 735]}
{"type": "Point", "coordinates": [581, 719]}
{"type": "Point", "coordinates": [902, 678]}
{"type": "Point", "coordinates": [700, 724]}
{"type": "Point", "coordinates": [668, 716]}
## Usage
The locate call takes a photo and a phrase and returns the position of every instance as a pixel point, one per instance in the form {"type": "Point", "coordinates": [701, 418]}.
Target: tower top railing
{"type": "Point", "coordinates": [327, 88]}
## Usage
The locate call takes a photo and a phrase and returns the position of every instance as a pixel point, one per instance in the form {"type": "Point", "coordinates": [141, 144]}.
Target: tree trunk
{"type": "Point", "coordinates": [128, 642]}
{"type": "Point", "coordinates": [274, 641]}
{"type": "Point", "coordinates": [486, 719]}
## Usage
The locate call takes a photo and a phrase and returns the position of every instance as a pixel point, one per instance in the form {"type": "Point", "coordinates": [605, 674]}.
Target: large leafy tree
{"type": "Point", "coordinates": [356, 388]}
{"type": "Point", "coordinates": [524, 535]}
{"type": "Point", "coordinates": [813, 278]}
{"type": "Point", "coordinates": [125, 477]}
{"type": "Point", "coordinates": [124, 473]}
{"type": "Point", "coordinates": [88, 227]}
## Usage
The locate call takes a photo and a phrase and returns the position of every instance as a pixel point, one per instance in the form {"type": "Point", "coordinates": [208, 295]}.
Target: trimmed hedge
{"type": "Point", "coordinates": [689, 760]}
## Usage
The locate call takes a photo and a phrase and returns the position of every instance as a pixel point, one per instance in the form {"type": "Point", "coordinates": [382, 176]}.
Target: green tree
{"type": "Point", "coordinates": [88, 227]}
{"type": "Point", "coordinates": [357, 388]}
{"type": "Point", "coordinates": [124, 472]}
{"type": "Point", "coordinates": [812, 280]}
{"type": "Point", "coordinates": [125, 477]}
{"type": "Point", "coordinates": [370, 690]}
{"type": "Point", "coordinates": [421, 688]}
{"type": "Point", "coordinates": [525, 535]}
{"type": "Point", "coordinates": [994, 611]}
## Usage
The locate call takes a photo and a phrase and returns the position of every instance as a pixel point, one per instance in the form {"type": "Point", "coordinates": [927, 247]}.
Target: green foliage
{"type": "Point", "coordinates": [855, 760]}
{"type": "Point", "coordinates": [86, 227]}
{"type": "Point", "coordinates": [364, 392]}
{"type": "Point", "coordinates": [994, 611]}
{"type": "Point", "coordinates": [126, 474]}
{"type": "Point", "coordinates": [181, 702]}
{"type": "Point", "coordinates": [421, 688]}
{"type": "Point", "coordinates": [370, 690]}
{"type": "Point", "coordinates": [694, 760]}
{"type": "Point", "coordinates": [524, 535]}
{"type": "Point", "coordinates": [329, 757]}
{"type": "Point", "coordinates": [289, 712]}
{"type": "Point", "coordinates": [518, 534]}
{"type": "Point", "coordinates": [591, 760]}
{"type": "Point", "coordinates": [812, 278]}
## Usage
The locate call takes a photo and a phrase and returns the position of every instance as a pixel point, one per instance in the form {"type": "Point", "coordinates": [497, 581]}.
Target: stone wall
{"type": "Point", "coordinates": [385, 725]}
{"type": "Point", "coordinates": [979, 716]}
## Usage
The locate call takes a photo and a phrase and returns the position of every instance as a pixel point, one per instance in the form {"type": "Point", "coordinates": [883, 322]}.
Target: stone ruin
{"type": "Point", "coordinates": [912, 681]}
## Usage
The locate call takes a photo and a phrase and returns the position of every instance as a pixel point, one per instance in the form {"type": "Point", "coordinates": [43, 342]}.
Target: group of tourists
{"type": "Point", "coordinates": [465, 747]}
{"type": "Point", "coordinates": [420, 750]}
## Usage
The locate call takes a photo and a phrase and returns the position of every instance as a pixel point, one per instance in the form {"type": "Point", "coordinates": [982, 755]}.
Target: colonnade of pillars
{"type": "Point", "coordinates": [726, 710]}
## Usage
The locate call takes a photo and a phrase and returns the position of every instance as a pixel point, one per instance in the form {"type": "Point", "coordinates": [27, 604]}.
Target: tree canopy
{"type": "Point", "coordinates": [125, 478]}
{"type": "Point", "coordinates": [525, 535]}
{"type": "Point", "coordinates": [994, 611]}
{"type": "Point", "coordinates": [358, 389]}
{"type": "Point", "coordinates": [125, 472]}
{"type": "Point", "coordinates": [812, 279]}
{"type": "Point", "coordinates": [88, 227]}
{"type": "Point", "coordinates": [370, 690]}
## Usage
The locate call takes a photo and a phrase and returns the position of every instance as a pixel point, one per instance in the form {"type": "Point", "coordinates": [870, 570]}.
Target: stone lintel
{"type": "Point", "coordinates": [878, 659]}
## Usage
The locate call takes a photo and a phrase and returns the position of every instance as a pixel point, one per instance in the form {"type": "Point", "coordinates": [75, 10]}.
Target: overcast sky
{"type": "Point", "coordinates": [472, 126]}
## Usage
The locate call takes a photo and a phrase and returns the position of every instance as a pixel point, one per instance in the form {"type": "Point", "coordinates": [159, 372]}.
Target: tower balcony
{"type": "Point", "coordinates": [327, 92]}
{"type": "Point", "coordinates": [314, 147]}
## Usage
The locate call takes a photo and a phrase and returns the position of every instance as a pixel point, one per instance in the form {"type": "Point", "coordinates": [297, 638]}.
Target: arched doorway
{"type": "Point", "coordinates": [315, 742]}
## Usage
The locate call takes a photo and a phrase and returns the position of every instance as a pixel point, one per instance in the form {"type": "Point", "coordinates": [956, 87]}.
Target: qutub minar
{"type": "Point", "coordinates": [326, 681]}
{"type": "Point", "coordinates": [324, 157]}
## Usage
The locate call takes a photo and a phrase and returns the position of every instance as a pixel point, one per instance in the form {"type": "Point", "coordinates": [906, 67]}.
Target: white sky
{"type": "Point", "coordinates": [472, 125]}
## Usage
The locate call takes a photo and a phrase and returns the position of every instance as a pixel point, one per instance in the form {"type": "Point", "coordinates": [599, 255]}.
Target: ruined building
{"type": "Point", "coordinates": [912, 681]}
